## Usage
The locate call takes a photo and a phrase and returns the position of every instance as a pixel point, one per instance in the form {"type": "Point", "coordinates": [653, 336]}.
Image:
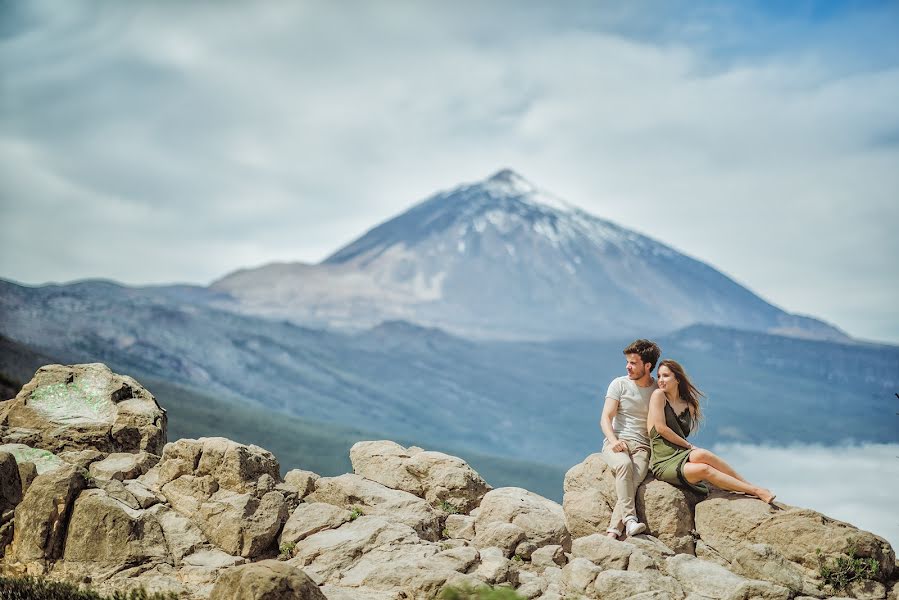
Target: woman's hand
{"type": "Point", "coordinates": [620, 446]}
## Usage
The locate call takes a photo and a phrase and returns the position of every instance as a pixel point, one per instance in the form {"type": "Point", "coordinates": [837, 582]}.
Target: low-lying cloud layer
{"type": "Point", "coordinates": [159, 142]}
{"type": "Point", "coordinates": [856, 484]}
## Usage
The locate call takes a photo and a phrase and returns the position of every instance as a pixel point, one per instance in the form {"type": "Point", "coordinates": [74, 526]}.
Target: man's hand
{"type": "Point", "coordinates": [620, 446]}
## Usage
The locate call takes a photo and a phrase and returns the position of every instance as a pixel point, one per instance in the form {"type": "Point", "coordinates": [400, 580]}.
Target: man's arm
{"type": "Point", "coordinates": [609, 410]}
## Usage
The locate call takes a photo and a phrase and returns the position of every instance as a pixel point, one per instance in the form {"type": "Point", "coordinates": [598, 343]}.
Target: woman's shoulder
{"type": "Point", "coordinates": [657, 395]}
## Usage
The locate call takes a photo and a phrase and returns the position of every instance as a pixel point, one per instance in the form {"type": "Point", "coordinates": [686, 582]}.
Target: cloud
{"type": "Point", "coordinates": [758, 142]}
{"type": "Point", "coordinates": [857, 484]}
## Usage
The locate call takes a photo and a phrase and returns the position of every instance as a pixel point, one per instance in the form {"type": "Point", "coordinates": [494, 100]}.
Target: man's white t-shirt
{"type": "Point", "coordinates": [633, 407]}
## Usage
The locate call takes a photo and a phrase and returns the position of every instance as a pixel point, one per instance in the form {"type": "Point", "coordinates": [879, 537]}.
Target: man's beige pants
{"type": "Point", "coordinates": [630, 470]}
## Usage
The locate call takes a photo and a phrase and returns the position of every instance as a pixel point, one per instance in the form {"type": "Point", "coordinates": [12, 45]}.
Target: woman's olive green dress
{"type": "Point", "coordinates": [668, 459]}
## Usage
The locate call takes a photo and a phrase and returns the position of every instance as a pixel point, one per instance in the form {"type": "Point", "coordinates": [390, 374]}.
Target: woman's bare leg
{"type": "Point", "coordinates": [696, 472]}
{"type": "Point", "coordinates": [701, 455]}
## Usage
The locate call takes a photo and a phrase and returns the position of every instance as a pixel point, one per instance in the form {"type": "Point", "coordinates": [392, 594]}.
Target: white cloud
{"type": "Point", "coordinates": [856, 484]}
{"type": "Point", "coordinates": [284, 130]}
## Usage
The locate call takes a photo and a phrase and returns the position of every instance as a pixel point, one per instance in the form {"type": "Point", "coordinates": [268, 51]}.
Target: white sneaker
{"type": "Point", "coordinates": [634, 527]}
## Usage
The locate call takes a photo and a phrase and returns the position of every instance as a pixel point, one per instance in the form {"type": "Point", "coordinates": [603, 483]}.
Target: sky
{"type": "Point", "coordinates": [160, 142]}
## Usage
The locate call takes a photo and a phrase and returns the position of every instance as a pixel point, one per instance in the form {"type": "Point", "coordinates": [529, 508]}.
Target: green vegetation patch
{"type": "Point", "coordinates": [72, 403]}
{"type": "Point", "coordinates": [843, 570]}
{"type": "Point", "coordinates": [32, 588]}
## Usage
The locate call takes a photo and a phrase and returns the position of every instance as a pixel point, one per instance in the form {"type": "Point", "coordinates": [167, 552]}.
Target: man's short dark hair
{"type": "Point", "coordinates": [648, 350]}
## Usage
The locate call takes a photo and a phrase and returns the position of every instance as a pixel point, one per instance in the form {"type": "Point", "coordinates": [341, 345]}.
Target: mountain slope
{"type": "Point", "coordinates": [542, 400]}
{"type": "Point", "coordinates": [500, 258]}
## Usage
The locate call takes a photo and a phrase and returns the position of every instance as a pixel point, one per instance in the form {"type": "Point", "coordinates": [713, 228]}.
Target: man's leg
{"type": "Point", "coordinates": [640, 459]}
{"type": "Point", "coordinates": [623, 468]}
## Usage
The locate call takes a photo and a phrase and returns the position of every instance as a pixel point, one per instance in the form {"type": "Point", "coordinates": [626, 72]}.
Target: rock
{"type": "Point", "coordinates": [608, 553]}
{"type": "Point", "coordinates": [525, 549]}
{"type": "Point", "coordinates": [182, 536]}
{"type": "Point", "coordinates": [456, 559]}
{"type": "Point", "coordinates": [348, 491]}
{"type": "Point", "coordinates": [505, 536]}
{"type": "Point", "coordinates": [302, 481]}
{"type": "Point", "coordinates": [495, 568]}
{"type": "Point", "coordinates": [761, 561]}
{"type": "Point", "coordinates": [530, 585]}
{"type": "Point", "coordinates": [710, 580]}
{"type": "Point", "coordinates": [667, 511]}
{"type": "Point", "coordinates": [43, 460]}
{"type": "Point", "coordinates": [233, 466]}
{"type": "Point", "coordinates": [220, 485]}
{"type": "Point", "coordinates": [626, 585]}
{"type": "Point", "coordinates": [242, 524]}
{"type": "Point", "coordinates": [727, 523]}
{"type": "Point", "coordinates": [81, 458]}
{"type": "Point", "coordinates": [144, 496]}
{"type": "Point", "coordinates": [42, 515]}
{"type": "Point", "coordinates": [326, 554]}
{"type": "Point", "coordinates": [589, 496]}
{"type": "Point", "coordinates": [542, 520]}
{"type": "Point", "coordinates": [548, 556]}
{"type": "Point", "coordinates": [310, 518]}
{"type": "Point", "coordinates": [10, 483]}
{"type": "Point", "coordinates": [578, 576]}
{"type": "Point", "coordinates": [121, 465]}
{"type": "Point", "coordinates": [102, 529]}
{"type": "Point", "coordinates": [265, 580]}
{"type": "Point", "coordinates": [337, 592]}
{"type": "Point", "coordinates": [27, 474]}
{"type": "Point", "coordinates": [443, 480]}
{"type": "Point", "coordinates": [406, 567]}
{"type": "Point", "coordinates": [460, 526]}
{"type": "Point", "coordinates": [87, 407]}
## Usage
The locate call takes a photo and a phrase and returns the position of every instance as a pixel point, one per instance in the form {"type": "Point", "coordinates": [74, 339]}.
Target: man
{"type": "Point", "coordinates": [623, 421]}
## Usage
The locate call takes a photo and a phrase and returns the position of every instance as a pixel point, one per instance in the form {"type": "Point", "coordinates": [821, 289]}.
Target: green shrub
{"type": "Point", "coordinates": [32, 588]}
{"type": "Point", "coordinates": [355, 513]}
{"type": "Point", "coordinates": [286, 550]}
{"type": "Point", "coordinates": [844, 570]}
{"type": "Point", "coordinates": [449, 508]}
{"type": "Point", "coordinates": [484, 592]}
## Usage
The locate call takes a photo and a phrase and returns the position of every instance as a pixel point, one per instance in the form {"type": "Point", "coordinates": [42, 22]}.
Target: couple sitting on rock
{"type": "Point", "coordinates": [646, 424]}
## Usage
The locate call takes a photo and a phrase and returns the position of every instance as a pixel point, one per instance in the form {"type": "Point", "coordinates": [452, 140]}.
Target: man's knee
{"type": "Point", "coordinates": [624, 467]}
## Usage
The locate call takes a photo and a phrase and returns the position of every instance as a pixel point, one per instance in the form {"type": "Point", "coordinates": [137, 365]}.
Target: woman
{"type": "Point", "coordinates": [674, 414]}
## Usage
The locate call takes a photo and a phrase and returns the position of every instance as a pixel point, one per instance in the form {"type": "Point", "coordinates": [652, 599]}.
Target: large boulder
{"type": "Point", "coordinates": [265, 580]}
{"type": "Point", "coordinates": [709, 580]}
{"type": "Point", "coordinates": [310, 518]}
{"type": "Point", "coordinates": [42, 515]}
{"type": "Point", "coordinates": [103, 531]}
{"type": "Point", "coordinates": [443, 480]}
{"type": "Point", "coordinates": [351, 491]}
{"type": "Point", "coordinates": [542, 520]}
{"type": "Point", "coordinates": [326, 555]}
{"type": "Point", "coordinates": [226, 489]}
{"type": "Point", "coordinates": [590, 497]}
{"type": "Point", "coordinates": [733, 526]}
{"type": "Point", "coordinates": [78, 407]}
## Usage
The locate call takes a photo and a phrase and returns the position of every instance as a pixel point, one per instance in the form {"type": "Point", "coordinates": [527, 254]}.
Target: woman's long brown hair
{"type": "Point", "coordinates": [686, 389]}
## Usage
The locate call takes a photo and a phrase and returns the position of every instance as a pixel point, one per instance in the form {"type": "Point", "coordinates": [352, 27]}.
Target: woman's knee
{"type": "Point", "coordinates": [701, 455]}
{"type": "Point", "coordinates": [697, 471]}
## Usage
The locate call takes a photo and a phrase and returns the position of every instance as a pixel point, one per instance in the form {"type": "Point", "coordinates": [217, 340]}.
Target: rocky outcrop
{"type": "Point", "coordinates": [205, 519]}
{"type": "Point", "coordinates": [441, 479]}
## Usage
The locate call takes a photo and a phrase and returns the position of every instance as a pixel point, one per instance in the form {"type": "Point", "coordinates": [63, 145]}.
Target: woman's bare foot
{"type": "Point", "coordinates": [765, 495]}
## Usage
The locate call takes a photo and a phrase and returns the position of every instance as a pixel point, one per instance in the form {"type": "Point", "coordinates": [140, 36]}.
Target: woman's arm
{"type": "Point", "coordinates": [656, 418]}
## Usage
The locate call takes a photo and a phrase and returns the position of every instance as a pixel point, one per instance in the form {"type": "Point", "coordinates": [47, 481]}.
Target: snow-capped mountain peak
{"type": "Point", "coordinates": [506, 183]}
